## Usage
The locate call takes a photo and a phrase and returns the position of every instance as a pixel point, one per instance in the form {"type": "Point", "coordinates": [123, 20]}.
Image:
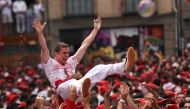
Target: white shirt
{"type": "Point", "coordinates": [19, 6]}
{"type": "Point", "coordinates": [37, 10]}
{"type": "Point", "coordinates": [6, 4]}
{"type": "Point", "coordinates": [55, 71]}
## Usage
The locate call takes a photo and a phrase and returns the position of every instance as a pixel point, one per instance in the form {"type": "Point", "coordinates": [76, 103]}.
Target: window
{"type": "Point", "coordinates": [79, 7]}
{"type": "Point", "coordinates": [131, 6]}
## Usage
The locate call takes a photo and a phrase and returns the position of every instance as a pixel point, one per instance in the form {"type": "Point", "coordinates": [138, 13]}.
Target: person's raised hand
{"type": "Point", "coordinates": [38, 26]}
{"type": "Point", "coordinates": [76, 76]}
{"type": "Point", "coordinates": [124, 90]}
{"type": "Point", "coordinates": [62, 105]}
{"type": "Point", "coordinates": [97, 23]}
{"type": "Point", "coordinates": [86, 101]}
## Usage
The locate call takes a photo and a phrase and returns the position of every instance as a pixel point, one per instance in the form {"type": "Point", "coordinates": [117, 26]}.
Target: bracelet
{"type": "Point", "coordinates": [122, 100]}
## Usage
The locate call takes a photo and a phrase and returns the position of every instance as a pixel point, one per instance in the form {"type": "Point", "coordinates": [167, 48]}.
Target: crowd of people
{"type": "Point", "coordinates": [151, 84]}
{"type": "Point", "coordinates": [20, 14]}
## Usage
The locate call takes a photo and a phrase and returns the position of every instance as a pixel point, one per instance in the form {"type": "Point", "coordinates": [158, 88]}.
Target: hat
{"type": "Point", "coordinates": [168, 86]}
{"type": "Point", "coordinates": [169, 93]}
{"type": "Point", "coordinates": [100, 106]}
{"type": "Point", "coordinates": [173, 106]}
{"type": "Point", "coordinates": [2, 81]}
{"type": "Point", "coordinates": [140, 100]}
{"type": "Point", "coordinates": [140, 67]}
{"type": "Point", "coordinates": [144, 76]}
{"type": "Point", "coordinates": [165, 101]}
{"type": "Point", "coordinates": [102, 89]}
{"type": "Point", "coordinates": [152, 86]}
{"type": "Point", "coordinates": [184, 73]}
{"type": "Point", "coordinates": [149, 72]}
{"type": "Point", "coordinates": [103, 82]}
{"type": "Point", "coordinates": [115, 96]}
{"type": "Point", "coordinates": [23, 85]}
{"type": "Point", "coordinates": [12, 97]}
{"type": "Point", "coordinates": [10, 85]}
{"type": "Point", "coordinates": [22, 104]}
{"type": "Point", "coordinates": [6, 74]}
{"type": "Point", "coordinates": [117, 82]}
{"type": "Point", "coordinates": [30, 71]}
{"type": "Point", "coordinates": [175, 65]}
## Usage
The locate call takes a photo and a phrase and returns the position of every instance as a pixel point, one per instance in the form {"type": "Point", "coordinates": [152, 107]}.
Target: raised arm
{"type": "Point", "coordinates": [44, 49]}
{"type": "Point", "coordinates": [86, 43]}
{"type": "Point", "coordinates": [126, 98]}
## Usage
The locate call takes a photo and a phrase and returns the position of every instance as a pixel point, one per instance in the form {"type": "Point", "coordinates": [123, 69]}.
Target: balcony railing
{"type": "Point", "coordinates": [131, 6]}
{"type": "Point", "coordinates": [79, 7]}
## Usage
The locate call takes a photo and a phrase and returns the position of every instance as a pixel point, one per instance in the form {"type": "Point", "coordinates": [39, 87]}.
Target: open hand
{"type": "Point", "coordinates": [97, 23]}
{"type": "Point", "coordinates": [76, 76]}
{"type": "Point", "coordinates": [124, 90]}
{"type": "Point", "coordinates": [38, 26]}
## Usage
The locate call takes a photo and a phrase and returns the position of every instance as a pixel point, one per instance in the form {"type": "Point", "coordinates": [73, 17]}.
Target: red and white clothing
{"type": "Point", "coordinates": [56, 71]}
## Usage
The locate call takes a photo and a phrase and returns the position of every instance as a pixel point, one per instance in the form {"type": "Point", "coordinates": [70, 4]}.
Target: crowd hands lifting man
{"type": "Point", "coordinates": [131, 92]}
{"type": "Point", "coordinates": [146, 85]}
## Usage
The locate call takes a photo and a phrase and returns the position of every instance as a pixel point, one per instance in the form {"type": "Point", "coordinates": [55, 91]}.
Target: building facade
{"type": "Point", "coordinates": [69, 19]}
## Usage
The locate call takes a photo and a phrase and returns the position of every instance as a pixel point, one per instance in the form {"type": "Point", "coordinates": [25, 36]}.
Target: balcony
{"type": "Point", "coordinates": [130, 6]}
{"type": "Point", "coordinates": [78, 8]}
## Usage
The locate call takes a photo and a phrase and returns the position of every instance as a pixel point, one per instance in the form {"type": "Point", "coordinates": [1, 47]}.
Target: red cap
{"type": "Point", "coordinates": [117, 82]}
{"type": "Point", "coordinates": [153, 86]}
{"type": "Point", "coordinates": [184, 90]}
{"type": "Point", "coordinates": [169, 93]}
{"type": "Point", "coordinates": [22, 104]}
{"type": "Point", "coordinates": [102, 89]}
{"type": "Point", "coordinates": [10, 85]}
{"type": "Point", "coordinates": [2, 81]}
{"type": "Point", "coordinates": [150, 72]}
{"type": "Point", "coordinates": [140, 100]}
{"type": "Point", "coordinates": [173, 106]}
{"type": "Point", "coordinates": [12, 97]}
{"type": "Point", "coordinates": [39, 81]}
{"type": "Point", "coordinates": [115, 96]}
{"type": "Point", "coordinates": [103, 82]}
{"type": "Point", "coordinates": [144, 76]}
{"type": "Point", "coordinates": [100, 106]}
{"type": "Point", "coordinates": [31, 71]}
{"type": "Point", "coordinates": [23, 85]}
{"type": "Point", "coordinates": [164, 101]}
{"type": "Point", "coordinates": [184, 73]}
{"type": "Point", "coordinates": [140, 67]}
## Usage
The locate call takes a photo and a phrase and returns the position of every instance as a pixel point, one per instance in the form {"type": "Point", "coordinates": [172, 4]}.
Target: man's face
{"type": "Point", "coordinates": [149, 97]}
{"type": "Point", "coordinates": [187, 106]}
{"type": "Point", "coordinates": [180, 98]}
{"type": "Point", "coordinates": [39, 101]}
{"type": "Point", "coordinates": [62, 55]}
{"type": "Point", "coordinates": [187, 99]}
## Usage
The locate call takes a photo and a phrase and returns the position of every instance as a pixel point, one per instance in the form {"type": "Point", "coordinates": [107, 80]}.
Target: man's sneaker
{"type": "Point", "coordinates": [130, 59]}
{"type": "Point", "coordinates": [86, 87]}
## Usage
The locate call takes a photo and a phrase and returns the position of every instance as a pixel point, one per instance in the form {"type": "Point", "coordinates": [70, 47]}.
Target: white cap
{"type": "Point", "coordinates": [168, 86]}
{"type": "Point", "coordinates": [176, 65]}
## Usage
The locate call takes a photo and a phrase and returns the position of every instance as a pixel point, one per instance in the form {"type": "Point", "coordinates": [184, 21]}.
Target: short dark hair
{"type": "Point", "coordinates": [60, 45]}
